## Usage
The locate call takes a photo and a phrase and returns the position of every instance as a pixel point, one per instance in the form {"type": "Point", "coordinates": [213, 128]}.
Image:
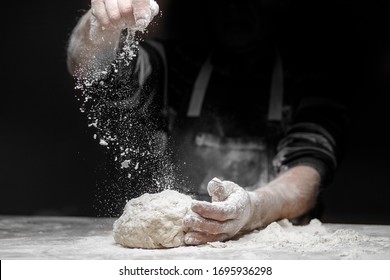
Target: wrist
{"type": "Point", "coordinates": [290, 195]}
{"type": "Point", "coordinates": [257, 215]}
{"type": "Point", "coordinates": [294, 192]}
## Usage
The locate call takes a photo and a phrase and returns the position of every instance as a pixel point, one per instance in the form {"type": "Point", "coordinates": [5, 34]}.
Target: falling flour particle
{"type": "Point", "coordinates": [153, 221]}
{"type": "Point", "coordinates": [125, 164]}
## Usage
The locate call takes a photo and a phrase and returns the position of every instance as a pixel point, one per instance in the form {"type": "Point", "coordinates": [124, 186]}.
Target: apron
{"type": "Point", "coordinates": [200, 153]}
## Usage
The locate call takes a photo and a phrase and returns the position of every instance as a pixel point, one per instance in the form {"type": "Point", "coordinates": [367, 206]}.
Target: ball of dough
{"type": "Point", "coordinates": [153, 221]}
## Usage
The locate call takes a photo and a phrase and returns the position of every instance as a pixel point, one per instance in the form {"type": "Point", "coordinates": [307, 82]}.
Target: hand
{"type": "Point", "coordinates": [229, 212]}
{"type": "Point", "coordinates": [120, 14]}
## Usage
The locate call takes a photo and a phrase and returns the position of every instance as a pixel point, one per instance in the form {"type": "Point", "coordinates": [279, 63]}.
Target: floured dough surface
{"type": "Point", "coordinates": [153, 221]}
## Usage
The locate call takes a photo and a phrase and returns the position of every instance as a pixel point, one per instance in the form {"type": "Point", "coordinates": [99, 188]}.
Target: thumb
{"type": "Point", "coordinates": [220, 190]}
{"type": "Point", "coordinates": [142, 13]}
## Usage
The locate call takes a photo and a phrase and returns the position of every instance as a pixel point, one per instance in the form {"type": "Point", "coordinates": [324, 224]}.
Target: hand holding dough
{"type": "Point", "coordinates": [223, 218]}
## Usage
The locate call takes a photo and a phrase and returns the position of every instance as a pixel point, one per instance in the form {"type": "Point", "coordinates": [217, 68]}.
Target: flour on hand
{"type": "Point", "coordinates": [153, 221]}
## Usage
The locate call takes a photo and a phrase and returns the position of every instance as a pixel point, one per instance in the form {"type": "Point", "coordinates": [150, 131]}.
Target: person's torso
{"type": "Point", "coordinates": [229, 134]}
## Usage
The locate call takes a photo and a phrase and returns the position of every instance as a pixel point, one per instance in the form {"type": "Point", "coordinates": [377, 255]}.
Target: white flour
{"type": "Point", "coordinates": [311, 237]}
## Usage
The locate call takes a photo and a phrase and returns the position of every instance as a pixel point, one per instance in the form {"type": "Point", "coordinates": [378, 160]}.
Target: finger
{"type": "Point", "coordinates": [98, 10]}
{"type": "Point", "coordinates": [142, 13]}
{"type": "Point", "coordinates": [196, 238]}
{"type": "Point", "coordinates": [216, 211]}
{"type": "Point", "coordinates": [200, 224]}
{"type": "Point", "coordinates": [112, 9]}
{"type": "Point", "coordinates": [219, 211]}
{"type": "Point", "coordinates": [196, 223]}
{"type": "Point", "coordinates": [127, 12]}
{"type": "Point", "coordinates": [154, 8]}
{"type": "Point", "coordinates": [215, 189]}
{"type": "Point", "coordinates": [220, 190]}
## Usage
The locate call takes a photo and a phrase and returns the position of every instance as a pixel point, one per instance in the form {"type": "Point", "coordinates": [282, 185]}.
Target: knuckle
{"type": "Point", "coordinates": [215, 228]}
{"type": "Point", "coordinates": [191, 221]}
{"type": "Point", "coordinates": [126, 10]}
{"type": "Point", "coordinates": [115, 17]}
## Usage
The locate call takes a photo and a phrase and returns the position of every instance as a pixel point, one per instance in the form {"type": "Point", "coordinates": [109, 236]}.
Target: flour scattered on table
{"type": "Point", "coordinates": [153, 221]}
{"type": "Point", "coordinates": [311, 238]}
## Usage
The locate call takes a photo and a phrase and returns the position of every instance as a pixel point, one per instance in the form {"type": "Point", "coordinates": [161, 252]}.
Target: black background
{"type": "Point", "coordinates": [50, 163]}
